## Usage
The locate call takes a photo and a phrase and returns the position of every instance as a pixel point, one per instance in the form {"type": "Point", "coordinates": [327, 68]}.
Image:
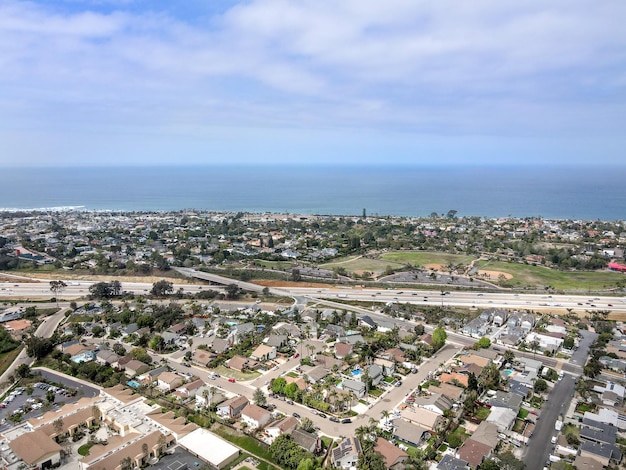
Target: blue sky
{"type": "Point", "coordinates": [123, 82]}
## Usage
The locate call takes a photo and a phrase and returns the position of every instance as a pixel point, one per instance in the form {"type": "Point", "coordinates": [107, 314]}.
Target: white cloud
{"type": "Point", "coordinates": [441, 67]}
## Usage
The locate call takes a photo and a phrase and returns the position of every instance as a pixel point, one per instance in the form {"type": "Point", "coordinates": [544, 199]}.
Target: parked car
{"type": "Point", "coordinates": [231, 380]}
{"type": "Point", "coordinates": [346, 421]}
{"type": "Point", "coordinates": [296, 415]}
{"type": "Point", "coordinates": [290, 402]}
{"type": "Point", "coordinates": [322, 415]}
{"type": "Point", "coordinates": [333, 419]}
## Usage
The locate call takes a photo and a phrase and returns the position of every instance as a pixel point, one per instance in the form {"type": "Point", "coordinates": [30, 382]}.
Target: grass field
{"type": "Point", "coordinates": [358, 264]}
{"type": "Point", "coordinates": [420, 258]}
{"type": "Point", "coordinates": [280, 265]}
{"type": "Point", "coordinates": [538, 276]}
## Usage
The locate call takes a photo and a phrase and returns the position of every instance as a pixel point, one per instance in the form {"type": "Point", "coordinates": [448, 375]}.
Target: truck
{"type": "Point", "coordinates": [558, 425]}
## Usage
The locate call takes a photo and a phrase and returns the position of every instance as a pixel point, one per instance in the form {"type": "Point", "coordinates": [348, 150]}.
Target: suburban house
{"type": "Point", "coordinates": [255, 416]}
{"type": "Point", "coordinates": [474, 452]}
{"type": "Point", "coordinates": [202, 358]}
{"type": "Point", "coordinates": [389, 367]}
{"type": "Point", "coordinates": [437, 403]}
{"type": "Point", "coordinates": [284, 426]}
{"type": "Point", "coordinates": [346, 454]}
{"type": "Point", "coordinates": [393, 456]}
{"type": "Point", "coordinates": [168, 381]}
{"type": "Point", "coordinates": [343, 350]}
{"type": "Point", "coordinates": [107, 357]}
{"type": "Point", "coordinates": [354, 386]}
{"type": "Point", "coordinates": [307, 440]}
{"type": "Point", "coordinates": [264, 352]}
{"type": "Point", "coordinates": [190, 389]}
{"type": "Point", "coordinates": [412, 434]}
{"type": "Point", "coordinates": [423, 417]}
{"type": "Point", "coordinates": [135, 367]}
{"type": "Point", "coordinates": [232, 408]}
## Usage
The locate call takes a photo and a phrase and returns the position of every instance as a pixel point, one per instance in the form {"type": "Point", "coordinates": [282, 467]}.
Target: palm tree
{"type": "Point", "coordinates": [386, 415]}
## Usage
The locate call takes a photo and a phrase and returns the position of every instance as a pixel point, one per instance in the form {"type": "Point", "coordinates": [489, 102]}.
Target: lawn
{"type": "Point", "coordinates": [84, 449]}
{"type": "Point", "coordinates": [280, 265]}
{"type": "Point", "coordinates": [358, 264]}
{"type": "Point", "coordinates": [483, 412]}
{"type": "Point", "coordinates": [420, 258]}
{"type": "Point", "coordinates": [249, 444]}
{"type": "Point", "coordinates": [523, 412]}
{"type": "Point", "coordinates": [525, 275]}
{"type": "Point", "coordinates": [240, 376]}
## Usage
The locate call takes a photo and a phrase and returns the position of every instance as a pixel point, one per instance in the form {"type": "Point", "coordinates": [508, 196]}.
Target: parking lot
{"type": "Point", "coordinates": [30, 406]}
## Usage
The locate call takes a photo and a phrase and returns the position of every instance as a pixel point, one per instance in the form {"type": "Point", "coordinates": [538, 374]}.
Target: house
{"type": "Point", "coordinates": [389, 367]}
{"type": "Point", "coordinates": [106, 357]}
{"type": "Point", "coordinates": [202, 358]}
{"type": "Point", "coordinates": [316, 374]}
{"type": "Point", "coordinates": [178, 328]}
{"type": "Point", "coordinates": [449, 462]}
{"type": "Point", "coordinates": [423, 417]}
{"type": "Point", "coordinates": [604, 453]}
{"type": "Point", "coordinates": [343, 350]}
{"type": "Point", "coordinates": [486, 433]}
{"type": "Point", "coordinates": [36, 449]}
{"type": "Point", "coordinates": [367, 321]}
{"type": "Point", "coordinates": [168, 381]}
{"type": "Point", "coordinates": [588, 463]}
{"type": "Point", "coordinates": [135, 367]}
{"type": "Point", "coordinates": [328, 362]}
{"type": "Point", "coordinates": [453, 377]}
{"type": "Point", "coordinates": [354, 386]}
{"type": "Point", "coordinates": [375, 373]}
{"type": "Point", "coordinates": [307, 440]}
{"type": "Point", "coordinates": [241, 364]}
{"type": "Point", "coordinates": [502, 418]}
{"type": "Point", "coordinates": [393, 456]}
{"type": "Point", "coordinates": [264, 352]}
{"type": "Point", "coordinates": [276, 340]}
{"type": "Point", "coordinates": [170, 338]}
{"type": "Point", "coordinates": [609, 416]}
{"type": "Point", "coordinates": [255, 416]}
{"type": "Point", "coordinates": [129, 330]}
{"type": "Point", "coordinates": [346, 454]}
{"type": "Point", "coordinates": [232, 408]}
{"type": "Point", "coordinates": [219, 345]}
{"type": "Point", "coordinates": [527, 322]}
{"type": "Point", "coordinates": [190, 389]}
{"type": "Point", "coordinates": [408, 432]}
{"type": "Point", "coordinates": [453, 392]}
{"type": "Point", "coordinates": [283, 426]}
{"type": "Point", "coordinates": [207, 395]}
{"type": "Point", "coordinates": [499, 317]}
{"type": "Point", "coordinates": [394, 354]}
{"type": "Point", "coordinates": [474, 452]}
{"type": "Point", "coordinates": [436, 402]}
{"type": "Point", "coordinates": [506, 400]}
{"type": "Point", "coordinates": [480, 361]}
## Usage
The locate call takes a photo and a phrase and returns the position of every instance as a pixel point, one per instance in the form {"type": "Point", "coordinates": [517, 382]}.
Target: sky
{"type": "Point", "coordinates": [298, 82]}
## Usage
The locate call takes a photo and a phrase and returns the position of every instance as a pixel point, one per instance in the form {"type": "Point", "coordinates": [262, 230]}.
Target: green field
{"type": "Point", "coordinates": [279, 265]}
{"type": "Point", "coordinates": [359, 264]}
{"type": "Point", "coordinates": [537, 276]}
{"type": "Point", "coordinates": [419, 258]}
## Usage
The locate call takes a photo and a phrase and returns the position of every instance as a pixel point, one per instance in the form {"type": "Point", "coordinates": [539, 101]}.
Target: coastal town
{"type": "Point", "coordinates": [190, 339]}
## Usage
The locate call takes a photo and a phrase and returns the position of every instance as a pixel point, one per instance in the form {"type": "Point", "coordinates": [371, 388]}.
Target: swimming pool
{"type": "Point", "coordinates": [356, 372]}
{"type": "Point", "coordinates": [508, 372]}
{"type": "Point", "coordinates": [133, 383]}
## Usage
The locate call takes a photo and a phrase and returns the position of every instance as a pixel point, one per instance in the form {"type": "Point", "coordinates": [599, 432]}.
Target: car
{"type": "Point", "coordinates": [290, 402]}
{"type": "Point", "coordinates": [553, 440]}
{"type": "Point", "coordinates": [333, 419]}
{"type": "Point", "coordinates": [186, 364]}
{"type": "Point", "coordinates": [231, 380]}
{"type": "Point", "coordinates": [346, 421]}
{"type": "Point", "coordinates": [282, 398]}
{"type": "Point", "coordinates": [610, 305]}
{"type": "Point", "coordinates": [296, 415]}
{"type": "Point", "coordinates": [3, 405]}
{"type": "Point", "coordinates": [322, 415]}
{"type": "Point", "coordinates": [398, 383]}
{"type": "Point", "coordinates": [314, 412]}
{"type": "Point", "coordinates": [296, 355]}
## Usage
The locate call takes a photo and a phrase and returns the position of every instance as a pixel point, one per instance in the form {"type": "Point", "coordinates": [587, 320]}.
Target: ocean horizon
{"type": "Point", "coordinates": [588, 193]}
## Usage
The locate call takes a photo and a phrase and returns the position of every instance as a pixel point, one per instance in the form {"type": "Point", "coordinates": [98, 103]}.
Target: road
{"type": "Point", "coordinates": [45, 330]}
{"type": "Point", "coordinates": [558, 403]}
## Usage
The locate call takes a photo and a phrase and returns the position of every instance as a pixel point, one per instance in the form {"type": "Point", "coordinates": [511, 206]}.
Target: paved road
{"type": "Point", "coordinates": [45, 330]}
{"type": "Point", "coordinates": [539, 445]}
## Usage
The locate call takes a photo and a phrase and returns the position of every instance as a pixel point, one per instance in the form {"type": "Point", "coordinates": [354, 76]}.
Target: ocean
{"type": "Point", "coordinates": [549, 192]}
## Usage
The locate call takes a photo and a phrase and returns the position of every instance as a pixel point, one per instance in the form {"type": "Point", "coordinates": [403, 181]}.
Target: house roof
{"type": "Point", "coordinates": [473, 452]}
{"type": "Point", "coordinates": [343, 349]}
{"type": "Point", "coordinates": [407, 431]}
{"type": "Point", "coordinates": [437, 400]}
{"type": "Point", "coordinates": [461, 378]}
{"type": "Point", "coordinates": [587, 463]}
{"type": "Point", "coordinates": [486, 433]}
{"type": "Point", "coordinates": [422, 416]}
{"type": "Point", "coordinates": [285, 424]}
{"type": "Point", "coordinates": [262, 350]}
{"type": "Point", "coordinates": [169, 377]}
{"type": "Point", "coordinates": [304, 439]}
{"type": "Point", "coordinates": [255, 412]}
{"type": "Point", "coordinates": [32, 447]}
{"type": "Point", "coordinates": [391, 454]}
{"type": "Point", "coordinates": [348, 446]}
{"type": "Point", "coordinates": [448, 462]}
{"type": "Point", "coordinates": [236, 402]}
{"type": "Point", "coordinates": [451, 391]}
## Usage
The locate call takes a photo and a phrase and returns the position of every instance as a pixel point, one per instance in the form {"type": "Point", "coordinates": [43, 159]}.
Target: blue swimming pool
{"type": "Point", "coordinates": [133, 383]}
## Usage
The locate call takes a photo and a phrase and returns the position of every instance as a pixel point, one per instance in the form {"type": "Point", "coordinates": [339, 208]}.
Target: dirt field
{"type": "Point", "coordinates": [89, 277]}
{"type": "Point", "coordinates": [493, 275]}
{"type": "Point", "coordinates": [434, 267]}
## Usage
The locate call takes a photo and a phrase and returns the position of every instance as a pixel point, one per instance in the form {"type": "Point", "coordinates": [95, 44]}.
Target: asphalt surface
{"type": "Point", "coordinates": [539, 445]}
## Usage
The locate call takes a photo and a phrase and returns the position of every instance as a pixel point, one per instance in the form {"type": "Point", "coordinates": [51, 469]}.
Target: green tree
{"type": "Point", "coordinates": [439, 338]}
{"type": "Point", "coordinates": [296, 276]}
{"type": "Point", "coordinates": [157, 343]}
{"type": "Point", "coordinates": [540, 385]}
{"type": "Point", "coordinates": [232, 291]}
{"type": "Point", "coordinates": [306, 464]}
{"type": "Point", "coordinates": [482, 343]}
{"type": "Point", "coordinates": [162, 288]}
{"type": "Point", "coordinates": [56, 287]}
{"type": "Point", "coordinates": [23, 371]}
{"type": "Point", "coordinates": [259, 397]}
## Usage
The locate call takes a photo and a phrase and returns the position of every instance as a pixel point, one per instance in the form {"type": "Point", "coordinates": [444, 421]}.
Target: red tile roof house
{"type": "Point", "coordinates": [255, 416]}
